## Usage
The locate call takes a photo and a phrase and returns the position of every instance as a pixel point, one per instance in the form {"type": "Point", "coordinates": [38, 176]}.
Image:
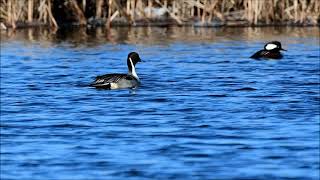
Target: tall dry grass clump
{"type": "Point", "coordinates": [149, 12]}
{"type": "Point", "coordinates": [13, 12]}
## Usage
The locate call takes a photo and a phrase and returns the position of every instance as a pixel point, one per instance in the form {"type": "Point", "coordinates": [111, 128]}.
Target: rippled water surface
{"type": "Point", "coordinates": [204, 110]}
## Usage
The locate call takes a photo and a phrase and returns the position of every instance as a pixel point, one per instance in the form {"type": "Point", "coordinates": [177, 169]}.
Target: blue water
{"type": "Point", "coordinates": [204, 110]}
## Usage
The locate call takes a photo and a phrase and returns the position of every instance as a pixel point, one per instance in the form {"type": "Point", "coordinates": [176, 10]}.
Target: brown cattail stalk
{"type": "Point", "coordinates": [149, 8]}
{"type": "Point", "coordinates": [9, 17]}
{"type": "Point", "coordinates": [99, 4]}
{"type": "Point", "coordinates": [73, 5]}
{"type": "Point", "coordinates": [13, 14]}
{"type": "Point", "coordinates": [109, 20]}
{"type": "Point", "coordinates": [133, 7]}
{"type": "Point", "coordinates": [122, 12]}
{"type": "Point", "coordinates": [84, 3]}
{"type": "Point", "coordinates": [52, 20]}
{"type": "Point", "coordinates": [198, 9]}
{"type": "Point", "coordinates": [30, 11]}
{"type": "Point", "coordinates": [203, 18]}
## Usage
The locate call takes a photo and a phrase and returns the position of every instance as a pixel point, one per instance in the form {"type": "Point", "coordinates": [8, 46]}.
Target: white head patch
{"type": "Point", "coordinates": [271, 46]}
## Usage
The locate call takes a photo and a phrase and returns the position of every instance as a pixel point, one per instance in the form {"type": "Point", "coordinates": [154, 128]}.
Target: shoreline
{"type": "Point", "coordinates": [152, 23]}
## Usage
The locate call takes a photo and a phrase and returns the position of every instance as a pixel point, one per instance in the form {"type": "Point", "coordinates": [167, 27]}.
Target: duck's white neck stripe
{"type": "Point", "coordinates": [271, 46]}
{"type": "Point", "coordinates": [133, 72]}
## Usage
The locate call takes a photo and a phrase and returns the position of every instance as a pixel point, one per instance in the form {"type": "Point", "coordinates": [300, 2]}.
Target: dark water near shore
{"type": "Point", "coordinates": [204, 109]}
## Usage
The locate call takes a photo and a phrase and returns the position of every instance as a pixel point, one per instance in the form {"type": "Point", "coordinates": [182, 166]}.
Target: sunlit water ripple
{"type": "Point", "coordinates": [204, 109]}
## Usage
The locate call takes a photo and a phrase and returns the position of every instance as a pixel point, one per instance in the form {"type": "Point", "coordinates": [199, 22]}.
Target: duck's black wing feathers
{"type": "Point", "coordinates": [105, 80]}
{"type": "Point", "coordinates": [259, 54]}
{"type": "Point", "coordinates": [267, 54]}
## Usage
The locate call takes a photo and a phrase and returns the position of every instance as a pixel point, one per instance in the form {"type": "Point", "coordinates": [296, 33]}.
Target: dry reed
{"type": "Point", "coordinates": [15, 13]}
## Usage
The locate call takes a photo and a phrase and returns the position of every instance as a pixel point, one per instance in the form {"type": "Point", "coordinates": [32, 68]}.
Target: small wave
{"type": "Point", "coordinates": [204, 126]}
{"type": "Point", "coordinates": [217, 95]}
{"type": "Point", "coordinates": [246, 89]}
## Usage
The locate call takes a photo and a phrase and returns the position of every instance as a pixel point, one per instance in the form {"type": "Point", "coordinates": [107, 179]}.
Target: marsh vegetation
{"type": "Point", "coordinates": [54, 13]}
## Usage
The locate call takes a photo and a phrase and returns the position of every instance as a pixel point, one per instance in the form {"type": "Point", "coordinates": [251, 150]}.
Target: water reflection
{"type": "Point", "coordinates": [156, 35]}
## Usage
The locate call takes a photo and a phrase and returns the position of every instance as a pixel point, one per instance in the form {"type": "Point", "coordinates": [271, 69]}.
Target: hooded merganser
{"type": "Point", "coordinates": [120, 81]}
{"type": "Point", "coordinates": [271, 50]}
